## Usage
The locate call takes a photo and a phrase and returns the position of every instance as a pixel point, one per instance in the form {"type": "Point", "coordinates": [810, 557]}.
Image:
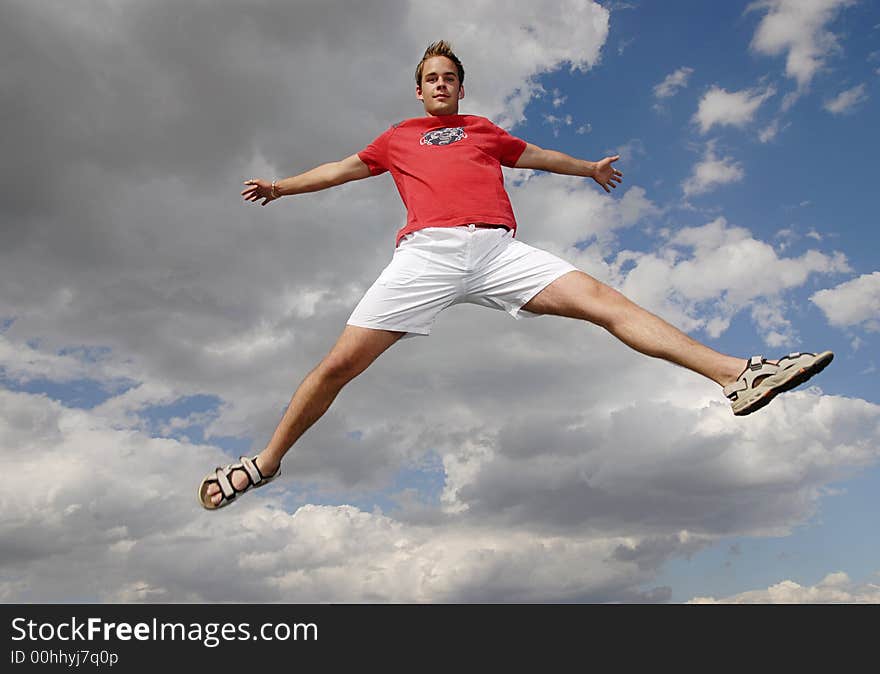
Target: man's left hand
{"type": "Point", "coordinates": [605, 174]}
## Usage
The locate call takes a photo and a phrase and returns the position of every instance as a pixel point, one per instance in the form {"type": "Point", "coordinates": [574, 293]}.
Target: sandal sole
{"type": "Point", "coordinates": [803, 374]}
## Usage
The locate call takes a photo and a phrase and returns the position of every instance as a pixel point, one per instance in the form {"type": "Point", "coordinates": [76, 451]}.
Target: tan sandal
{"type": "Point", "coordinates": [222, 475]}
{"type": "Point", "coordinates": [761, 381]}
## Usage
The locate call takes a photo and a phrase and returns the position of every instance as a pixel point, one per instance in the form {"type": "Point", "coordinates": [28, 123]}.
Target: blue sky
{"type": "Point", "coordinates": [152, 325]}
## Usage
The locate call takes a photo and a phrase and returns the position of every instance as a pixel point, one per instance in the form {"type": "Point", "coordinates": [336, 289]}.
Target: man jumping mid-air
{"type": "Point", "coordinates": [458, 246]}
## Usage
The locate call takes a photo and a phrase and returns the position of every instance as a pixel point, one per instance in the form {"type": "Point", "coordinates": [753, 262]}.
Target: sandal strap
{"type": "Point", "coordinates": [251, 468]}
{"type": "Point", "coordinates": [223, 480]}
{"type": "Point", "coordinates": [735, 387]}
{"type": "Point", "coordinates": [224, 473]}
{"type": "Point", "coordinates": [793, 356]}
{"type": "Point", "coordinates": [757, 367]}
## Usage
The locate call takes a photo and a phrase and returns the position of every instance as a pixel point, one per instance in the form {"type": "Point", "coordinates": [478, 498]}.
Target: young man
{"type": "Point", "coordinates": [458, 246]}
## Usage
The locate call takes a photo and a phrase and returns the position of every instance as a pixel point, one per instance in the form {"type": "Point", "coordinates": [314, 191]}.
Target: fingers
{"type": "Point", "coordinates": [252, 193]}
{"type": "Point", "coordinates": [610, 176]}
{"type": "Point", "coordinates": [611, 181]}
{"type": "Point", "coordinates": [614, 179]}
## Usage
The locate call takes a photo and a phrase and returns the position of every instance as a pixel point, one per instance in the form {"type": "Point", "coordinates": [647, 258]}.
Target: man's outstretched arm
{"type": "Point", "coordinates": [319, 178]}
{"type": "Point", "coordinates": [601, 171]}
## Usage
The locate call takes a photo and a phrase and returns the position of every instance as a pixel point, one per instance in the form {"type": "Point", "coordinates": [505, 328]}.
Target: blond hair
{"type": "Point", "coordinates": [441, 48]}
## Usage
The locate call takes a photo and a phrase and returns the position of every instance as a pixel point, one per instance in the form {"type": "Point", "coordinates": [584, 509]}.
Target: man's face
{"type": "Point", "coordinates": [441, 89]}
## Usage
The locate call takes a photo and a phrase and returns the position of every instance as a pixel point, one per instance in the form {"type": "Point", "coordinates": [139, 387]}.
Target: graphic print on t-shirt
{"type": "Point", "coordinates": [445, 136]}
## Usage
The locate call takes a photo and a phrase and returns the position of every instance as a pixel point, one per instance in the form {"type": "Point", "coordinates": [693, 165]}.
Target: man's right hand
{"type": "Point", "coordinates": [259, 189]}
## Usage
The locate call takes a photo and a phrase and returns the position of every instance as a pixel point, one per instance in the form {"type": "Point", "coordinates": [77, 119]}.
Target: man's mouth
{"type": "Point", "coordinates": [441, 96]}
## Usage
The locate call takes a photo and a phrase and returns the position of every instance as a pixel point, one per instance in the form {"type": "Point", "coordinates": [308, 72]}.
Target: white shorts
{"type": "Point", "coordinates": [434, 268]}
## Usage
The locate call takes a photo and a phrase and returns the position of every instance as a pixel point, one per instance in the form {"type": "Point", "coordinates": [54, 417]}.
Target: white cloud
{"type": "Point", "coordinates": [706, 275]}
{"type": "Point", "coordinates": [570, 506]}
{"type": "Point", "coordinates": [565, 210]}
{"type": "Point", "coordinates": [724, 108]}
{"type": "Point", "coordinates": [673, 82]}
{"type": "Point", "coordinates": [855, 302]}
{"type": "Point", "coordinates": [22, 363]}
{"type": "Point", "coordinates": [770, 319]}
{"type": "Point", "coordinates": [835, 588]}
{"type": "Point", "coordinates": [630, 150]}
{"type": "Point", "coordinates": [557, 122]}
{"type": "Point", "coordinates": [846, 101]}
{"type": "Point", "coordinates": [770, 131]}
{"type": "Point", "coordinates": [798, 29]}
{"type": "Point", "coordinates": [542, 32]}
{"type": "Point", "coordinates": [712, 171]}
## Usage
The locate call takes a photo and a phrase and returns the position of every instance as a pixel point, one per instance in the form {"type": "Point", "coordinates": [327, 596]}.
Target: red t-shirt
{"type": "Point", "coordinates": [447, 170]}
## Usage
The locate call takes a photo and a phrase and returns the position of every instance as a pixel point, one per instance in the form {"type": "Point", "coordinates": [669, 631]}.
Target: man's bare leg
{"type": "Point", "coordinates": [353, 353]}
{"type": "Point", "coordinates": [579, 295]}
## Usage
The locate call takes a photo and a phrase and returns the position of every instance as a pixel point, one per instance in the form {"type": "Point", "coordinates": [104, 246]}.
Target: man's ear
{"type": "Point", "coordinates": [419, 93]}
{"type": "Point", "coordinates": [461, 92]}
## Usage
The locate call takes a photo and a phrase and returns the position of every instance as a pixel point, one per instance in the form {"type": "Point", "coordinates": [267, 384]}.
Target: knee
{"type": "Point", "coordinates": [339, 367]}
{"type": "Point", "coordinates": [601, 304]}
